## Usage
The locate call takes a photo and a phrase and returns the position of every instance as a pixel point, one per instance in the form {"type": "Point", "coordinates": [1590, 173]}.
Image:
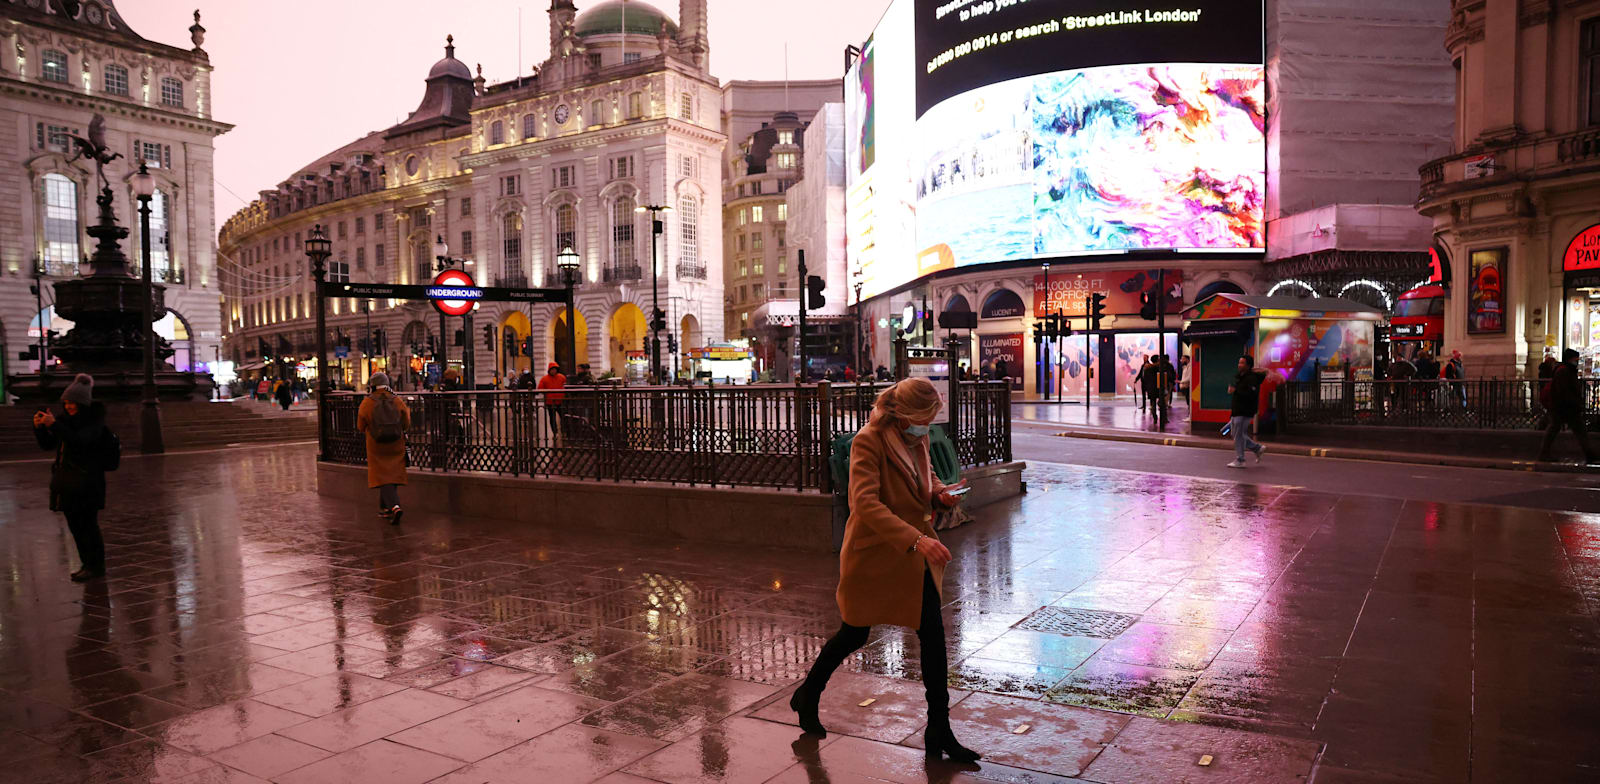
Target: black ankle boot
{"type": "Point", "coordinates": [939, 740]}
{"type": "Point", "coordinates": [804, 702]}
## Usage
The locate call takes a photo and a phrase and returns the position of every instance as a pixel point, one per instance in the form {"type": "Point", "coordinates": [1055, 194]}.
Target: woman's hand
{"type": "Point", "coordinates": [951, 500]}
{"type": "Point", "coordinates": [933, 550]}
{"type": "Point", "coordinates": [43, 419]}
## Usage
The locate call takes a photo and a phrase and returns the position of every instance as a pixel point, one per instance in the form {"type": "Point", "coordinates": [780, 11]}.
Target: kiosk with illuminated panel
{"type": "Point", "coordinates": [1292, 338]}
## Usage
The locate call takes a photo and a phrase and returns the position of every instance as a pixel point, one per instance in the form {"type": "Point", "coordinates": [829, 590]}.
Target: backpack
{"type": "Point", "coordinates": [108, 450]}
{"type": "Point", "coordinates": [387, 423]}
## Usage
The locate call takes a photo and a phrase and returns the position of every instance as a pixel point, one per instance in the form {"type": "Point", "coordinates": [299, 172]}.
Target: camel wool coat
{"type": "Point", "coordinates": [386, 463]}
{"type": "Point", "coordinates": [892, 490]}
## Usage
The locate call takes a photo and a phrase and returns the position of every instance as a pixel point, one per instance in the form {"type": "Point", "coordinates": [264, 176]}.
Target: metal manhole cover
{"type": "Point", "coordinates": [1078, 623]}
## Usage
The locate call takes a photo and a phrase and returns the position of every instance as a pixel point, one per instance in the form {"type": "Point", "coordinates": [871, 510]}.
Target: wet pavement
{"type": "Point", "coordinates": [1119, 414]}
{"type": "Point", "coordinates": [1111, 626]}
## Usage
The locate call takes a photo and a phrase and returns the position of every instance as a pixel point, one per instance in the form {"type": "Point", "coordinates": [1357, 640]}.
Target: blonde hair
{"type": "Point", "coordinates": [908, 399]}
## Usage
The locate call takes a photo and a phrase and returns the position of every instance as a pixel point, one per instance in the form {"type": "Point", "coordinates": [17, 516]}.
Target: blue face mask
{"type": "Point", "coordinates": [916, 431]}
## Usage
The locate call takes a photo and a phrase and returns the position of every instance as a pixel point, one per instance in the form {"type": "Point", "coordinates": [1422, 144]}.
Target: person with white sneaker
{"type": "Point", "coordinates": [1246, 392]}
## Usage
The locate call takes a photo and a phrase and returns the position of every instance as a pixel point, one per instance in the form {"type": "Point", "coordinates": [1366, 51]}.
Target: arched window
{"type": "Point", "coordinates": [566, 228]}
{"type": "Point", "coordinates": [511, 247]}
{"type": "Point", "coordinates": [688, 230]}
{"type": "Point", "coordinates": [497, 132]}
{"type": "Point", "coordinates": [61, 230]}
{"type": "Point", "coordinates": [171, 91]}
{"type": "Point", "coordinates": [622, 218]}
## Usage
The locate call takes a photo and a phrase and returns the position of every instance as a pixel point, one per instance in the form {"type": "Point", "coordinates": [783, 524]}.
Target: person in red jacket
{"type": "Point", "coordinates": [552, 380]}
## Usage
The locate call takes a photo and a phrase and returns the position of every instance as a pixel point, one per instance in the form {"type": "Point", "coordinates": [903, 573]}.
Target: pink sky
{"type": "Point", "coordinates": [301, 77]}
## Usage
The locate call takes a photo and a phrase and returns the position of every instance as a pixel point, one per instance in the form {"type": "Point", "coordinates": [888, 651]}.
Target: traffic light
{"type": "Point", "coordinates": [433, 345]}
{"type": "Point", "coordinates": [1147, 305]}
{"type": "Point", "coordinates": [527, 346]}
{"type": "Point", "coordinates": [366, 347]}
{"type": "Point", "coordinates": [814, 287]}
{"type": "Point", "coordinates": [1097, 310]}
{"type": "Point", "coordinates": [672, 343]}
{"type": "Point", "coordinates": [460, 339]}
{"type": "Point", "coordinates": [658, 320]}
{"type": "Point", "coordinates": [380, 342]}
{"type": "Point", "coordinates": [488, 337]}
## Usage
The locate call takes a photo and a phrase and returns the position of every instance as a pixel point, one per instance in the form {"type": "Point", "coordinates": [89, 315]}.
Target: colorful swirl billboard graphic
{"type": "Point", "coordinates": [986, 153]}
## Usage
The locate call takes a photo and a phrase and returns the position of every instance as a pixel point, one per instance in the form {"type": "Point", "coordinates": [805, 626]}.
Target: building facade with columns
{"type": "Point", "coordinates": [1517, 202]}
{"type": "Point", "coordinates": [622, 116]}
{"type": "Point", "coordinates": [63, 66]}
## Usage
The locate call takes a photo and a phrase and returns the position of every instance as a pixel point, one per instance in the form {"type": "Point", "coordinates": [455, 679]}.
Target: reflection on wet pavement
{"type": "Point", "coordinates": [252, 631]}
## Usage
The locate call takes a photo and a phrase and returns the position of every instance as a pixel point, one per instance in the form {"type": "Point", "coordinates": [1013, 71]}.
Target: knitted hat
{"type": "Point", "coordinates": [80, 391]}
{"type": "Point", "coordinates": [378, 380]}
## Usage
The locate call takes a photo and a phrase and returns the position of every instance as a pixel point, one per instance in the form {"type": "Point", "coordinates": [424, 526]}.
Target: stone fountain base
{"type": "Point", "coordinates": [119, 386]}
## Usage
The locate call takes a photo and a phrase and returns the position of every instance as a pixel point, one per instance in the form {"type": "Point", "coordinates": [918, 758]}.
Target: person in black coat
{"type": "Point", "coordinates": [1567, 408]}
{"type": "Point", "coordinates": [77, 478]}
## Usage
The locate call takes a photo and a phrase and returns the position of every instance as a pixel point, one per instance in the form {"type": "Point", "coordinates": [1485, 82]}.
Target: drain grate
{"type": "Point", "coordinates": [1077, 623]}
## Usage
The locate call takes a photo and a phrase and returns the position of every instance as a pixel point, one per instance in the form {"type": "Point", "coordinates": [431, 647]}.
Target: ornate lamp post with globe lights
{"type": "Point", "coordinates": [318, 249]}
{"type": "Point", "coordinates": [150, 440]}
{"type": "Point", "coordinates": [567, 262]}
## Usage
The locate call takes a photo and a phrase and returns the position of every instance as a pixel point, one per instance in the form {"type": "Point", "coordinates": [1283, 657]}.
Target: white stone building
{"type": "Point", "coordinates": [622, 115]}
{"type": "Point", "coordinates": [57, 72]}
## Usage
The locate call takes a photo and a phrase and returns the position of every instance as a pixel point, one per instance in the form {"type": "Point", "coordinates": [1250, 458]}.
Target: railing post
{"type": "Point", "coordinates": [825, 443]}
{"type": "Point", "coordinates": [802, 423]}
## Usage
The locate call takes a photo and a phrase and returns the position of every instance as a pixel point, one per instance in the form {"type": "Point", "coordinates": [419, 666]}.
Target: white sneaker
{"type": "Point", "coordinates": [1236, 464]}
{"type": "Point", "coordinates": [1260, 448]}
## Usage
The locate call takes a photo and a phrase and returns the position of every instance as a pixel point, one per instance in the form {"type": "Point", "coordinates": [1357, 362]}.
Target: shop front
{"type": "Point", "coordinates": [1580, 300]}
{"type": "Point", "coordinates": [1138, 303]}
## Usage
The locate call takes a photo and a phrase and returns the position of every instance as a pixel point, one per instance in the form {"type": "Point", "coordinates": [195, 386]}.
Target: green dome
{"type": "Point", "coordinates": [606, 19]}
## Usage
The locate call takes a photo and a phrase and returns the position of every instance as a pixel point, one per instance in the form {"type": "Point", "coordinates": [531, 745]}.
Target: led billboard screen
{"type": "Point", "coordinates": [1001, 130]}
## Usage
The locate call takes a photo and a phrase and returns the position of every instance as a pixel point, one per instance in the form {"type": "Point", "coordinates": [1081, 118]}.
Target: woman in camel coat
{"type": "Point", "coordinates": [891, 565]}
{"type": "Point", "coordinates": [386, 460]}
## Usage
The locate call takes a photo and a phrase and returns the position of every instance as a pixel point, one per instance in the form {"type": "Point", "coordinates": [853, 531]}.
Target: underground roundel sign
{"type": "Point", "coordinates": [454, 292]}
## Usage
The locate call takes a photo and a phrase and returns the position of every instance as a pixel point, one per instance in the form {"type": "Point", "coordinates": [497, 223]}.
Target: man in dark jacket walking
{"type": "Point", "coordinates": [1246, 392]}
{"type": "Point", "coordinates": [1566, 407]}
{"type": "Point", "coordinates": [78, 477]}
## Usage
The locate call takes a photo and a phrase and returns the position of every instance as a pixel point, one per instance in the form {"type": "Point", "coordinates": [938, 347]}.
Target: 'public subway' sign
{"type": "Point", "coordinates": [1584, 251]}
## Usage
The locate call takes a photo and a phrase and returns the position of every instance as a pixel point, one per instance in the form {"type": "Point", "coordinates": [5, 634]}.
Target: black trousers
{"type": "Point", "coordinates": [1572, 420]}
{"type": "Point", "coordinates": [930, 638]}
{"type": "Point", "coordinates": [85, 527]}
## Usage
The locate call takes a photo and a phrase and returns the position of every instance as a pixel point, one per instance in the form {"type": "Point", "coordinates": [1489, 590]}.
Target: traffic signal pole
{"type": "Point", "coordinates": [804, 295]}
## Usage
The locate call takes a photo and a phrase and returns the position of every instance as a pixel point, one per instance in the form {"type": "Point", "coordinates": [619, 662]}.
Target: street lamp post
{"type": "Point", "coordinates": [366, 310]}
{"type": "Point", "coordinates": [656, 318]}
{"type": "Point", "coordinates": [443, 261]}
{"type": "Point", "coordinates": [150, 441]}
{"type": "Point", "coordinates": [860, 342]}
{"type": "Point", "coordinates": [567, 262]}
{"type": "Point", "coordinates": [44, 326]}
{"type": "Point", "coordinates": [318, 249]}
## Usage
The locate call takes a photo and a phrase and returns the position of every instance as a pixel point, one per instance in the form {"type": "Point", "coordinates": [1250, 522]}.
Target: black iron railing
{"type": "Point", "coordinates": [1479, 404]}
{"type": "Point", "coordinates": [752, 436]}
{"type": "Point", "coordinates": [617, 273]}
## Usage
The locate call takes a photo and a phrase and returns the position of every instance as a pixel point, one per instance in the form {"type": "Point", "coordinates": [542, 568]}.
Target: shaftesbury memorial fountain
{"type": "Point", "coordinates": [106, 306]}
